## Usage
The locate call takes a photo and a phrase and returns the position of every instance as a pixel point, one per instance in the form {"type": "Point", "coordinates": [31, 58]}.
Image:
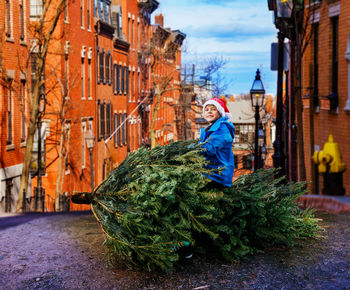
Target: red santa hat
{"type": "Point", "coordinates": [220, 105]}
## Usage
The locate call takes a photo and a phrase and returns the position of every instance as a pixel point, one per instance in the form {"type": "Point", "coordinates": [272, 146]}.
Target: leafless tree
{"type": "Point", "coordinates": [300, 32]}
{"type": "Point", "coordinates": [158, 60]}
{"type": "Point", "coordinates": [42, 34]}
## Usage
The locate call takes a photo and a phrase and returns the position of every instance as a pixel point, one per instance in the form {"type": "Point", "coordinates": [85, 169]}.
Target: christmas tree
{"type": "Point", "coordinates": [157, 201]}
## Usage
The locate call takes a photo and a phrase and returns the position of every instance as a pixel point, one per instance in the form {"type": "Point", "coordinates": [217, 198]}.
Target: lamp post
{"type": "Point", "coordinates": [41, 192]}
{"type": "Point", "coordinates": [257, 94]}
{"type": "Point", "coordinates": [90, 143]}
{"type": "Point", "coordinates": [283, 12]}
{"type": "Point", "coordinates": [263, 155]}
{"type": "Point", "coordinates": [261, 141]}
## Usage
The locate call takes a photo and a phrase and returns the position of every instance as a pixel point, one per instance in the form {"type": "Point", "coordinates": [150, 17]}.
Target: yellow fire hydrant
{"type": "Point", "coordinates": [330, 164]}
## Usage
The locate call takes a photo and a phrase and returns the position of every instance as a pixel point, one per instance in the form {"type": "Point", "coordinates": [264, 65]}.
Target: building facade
{"type": "Point", "coordinates": [326, 84]}
{"type": "Point", "coordinates": [14, 40]}
{"type": "Point", "coordinates": [100, 85]}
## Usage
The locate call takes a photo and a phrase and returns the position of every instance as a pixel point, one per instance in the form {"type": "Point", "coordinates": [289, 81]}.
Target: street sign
{"type": "Point", "coordinates": [274, 56]}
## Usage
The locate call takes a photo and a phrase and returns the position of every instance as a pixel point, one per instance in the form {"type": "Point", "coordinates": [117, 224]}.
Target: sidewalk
{"type": "Point", "coordinates": [328, 203]}
{"type": "Point", "coordinates": [66, 251]}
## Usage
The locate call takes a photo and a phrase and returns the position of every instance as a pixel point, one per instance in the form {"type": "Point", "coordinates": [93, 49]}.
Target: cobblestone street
{"type": "Point", "coordinates": [65, 251]}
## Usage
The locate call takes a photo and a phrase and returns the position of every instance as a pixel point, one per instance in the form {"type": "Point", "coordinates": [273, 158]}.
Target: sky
{"type": "Point", "coordinates": [239, 31]}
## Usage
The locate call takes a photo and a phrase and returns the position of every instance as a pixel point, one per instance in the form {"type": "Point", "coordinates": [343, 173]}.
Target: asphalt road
{"type": "Point", "coordinates": [65, 251]}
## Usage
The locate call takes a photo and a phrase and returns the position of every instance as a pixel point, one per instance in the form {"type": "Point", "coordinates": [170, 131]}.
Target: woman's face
{"type": "Point", "coordinates": [211, 114]}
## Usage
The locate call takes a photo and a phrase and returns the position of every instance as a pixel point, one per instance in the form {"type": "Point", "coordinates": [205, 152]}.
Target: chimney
{"type": "Point", "coordinates": [159, 19]}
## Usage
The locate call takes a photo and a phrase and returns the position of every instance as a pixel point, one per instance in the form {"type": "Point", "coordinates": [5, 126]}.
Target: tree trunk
{"type": "Point", "coordinates": [151, 131]}
{"type": "Point", "coordinates": [29, 147]}
{"type": "Point", "coordinates": [60, 170]}
{"type": "Point", "coordinates": [46, 29]}
{"type": "Point", "coordinates": [299, 115]}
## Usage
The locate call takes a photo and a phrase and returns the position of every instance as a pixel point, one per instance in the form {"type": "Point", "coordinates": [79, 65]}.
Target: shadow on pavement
{"type": "Point", "coordinates": [13, 221]}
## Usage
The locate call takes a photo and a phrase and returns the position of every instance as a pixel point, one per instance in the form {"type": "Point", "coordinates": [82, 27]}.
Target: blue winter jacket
{"type": "Point", "coordinates": [219, 149]}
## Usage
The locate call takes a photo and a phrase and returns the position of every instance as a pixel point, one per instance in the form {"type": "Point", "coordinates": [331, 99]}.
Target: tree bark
{"type": "Point", "coordinates": [154, 117]}
{"type": "Point", "coordinates": [299, 117]}
{"type": "Point", "coordinates": [43, 34]}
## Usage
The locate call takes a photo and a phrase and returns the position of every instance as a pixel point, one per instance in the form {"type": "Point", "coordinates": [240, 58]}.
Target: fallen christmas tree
{"type": "Point", "coordinates": [157, 200]}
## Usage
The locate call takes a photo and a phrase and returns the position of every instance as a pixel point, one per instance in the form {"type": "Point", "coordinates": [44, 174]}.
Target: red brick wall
{"type": "Point", "coordinates": [325, 121]}
{"type": "Point", "coordinates": [10, 49]}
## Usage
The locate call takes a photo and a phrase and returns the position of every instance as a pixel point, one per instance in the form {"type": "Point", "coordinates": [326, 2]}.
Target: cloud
{"type": "Point", "coordinates": [216, 2]}
{"type": "Point", "coordinates": [238, 30]}
{"type": "Point", "coordinates": [229, 32]}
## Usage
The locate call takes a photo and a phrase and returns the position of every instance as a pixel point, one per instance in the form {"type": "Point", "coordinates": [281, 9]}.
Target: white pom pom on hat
{"type": "Point", "coordinates": [220, 105]}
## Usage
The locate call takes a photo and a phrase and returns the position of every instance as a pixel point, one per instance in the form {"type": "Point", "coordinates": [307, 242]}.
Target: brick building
{"type": "Point", "coordinates": [13, 98]}
{"type": "Point", "coordinates": [99, 82]}
{"type": "Point", "coordinates": [326, 79]}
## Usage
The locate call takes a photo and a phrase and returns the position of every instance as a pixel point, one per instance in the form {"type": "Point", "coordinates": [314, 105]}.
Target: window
{"type": "Point", "coordinates": [124, 129]}
{"type": "Point", "coordinates": [98, 120]}
{"type": "Point", "coordinates": [334, 93]}
{"type": "Point", "coordinates": [111, 69]}
{"type": "Point", "coordinates": [83, 144]}
{"type": "Point", "coordinates": [95, 8]}
{"type": "Point", "coordinates": [248, 161]}
{"type": "Point", "coordinates": [117, 21]}
{"type": "Point", "coordinates": [315, 63]}
{"type": "Point", "coordinates": [108, 120]}
{"type": "Point", "coordinates": [9, 116]}
{"type": "Point", "coordinates": [123, 79]}
{"type": "Point", "coordinates": [118, 78]}
{"type": "Point", "coordinates": [119, 132]}
{"type": "Point", "coordinates": [21, 12]}
{"type": "Point", "coordinates": [82, 78]}
{"type": "Point", "coordinates": [89, 79]}
{"type": "Point", "coordinates": [114, 82]}
{"type": "Point", "coordinates": [237, 132]}
{"type": "Point", "coordinates": [244, 133]}
{"type": "Point", "coordinates": [235, 158]}
{"type": "Point", "coordinates": [120, 26]}
{"type": "Point", "coordinates": [106, 16]}
{"type": "Point", "coordinates": [102, 78]}
{"type": "Point", "coordinates": [8, 18]}
{"type": "Point", "coordinates": [100, 9]}
{"type": "Point", "coordinates": [102, 120]}
{"type": "Point", "coordinates": [82, 13]}
{"type": "Point", "coordinates": [127, 76]}
{"type": "Point", "coordinates": [107, 67]}
{"type": "Point", "coordinates": [98, 64]}
{"type": "Point", "coordinates": [23, 110]}
{"type": "Point", "coordinates": [88, 15]}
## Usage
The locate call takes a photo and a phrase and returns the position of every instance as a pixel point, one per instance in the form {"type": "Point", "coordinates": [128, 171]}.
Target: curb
{"type": "Point", "coordinates": [327, 203]}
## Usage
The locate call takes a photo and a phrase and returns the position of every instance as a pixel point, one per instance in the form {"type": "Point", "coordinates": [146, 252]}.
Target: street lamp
{"type": "Point", "coordinates": [263, 155]}
{"type": "Point", "coordinates": [90, 143]}
{"type": "Point", "coordinates": [41, 192]}
{"type": "Point", "coordinates": [261, 142]}
{"type": "Point", "coordinates": [283, 12]}
{"type": "Point", "coordinates": [284, 8]}
{"type": "Point", "coordinates": [257, 94]}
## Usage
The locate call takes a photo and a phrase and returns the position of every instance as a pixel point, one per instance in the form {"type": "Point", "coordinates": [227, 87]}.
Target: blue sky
{"type": "Point", "coordinates": [240, 31]}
